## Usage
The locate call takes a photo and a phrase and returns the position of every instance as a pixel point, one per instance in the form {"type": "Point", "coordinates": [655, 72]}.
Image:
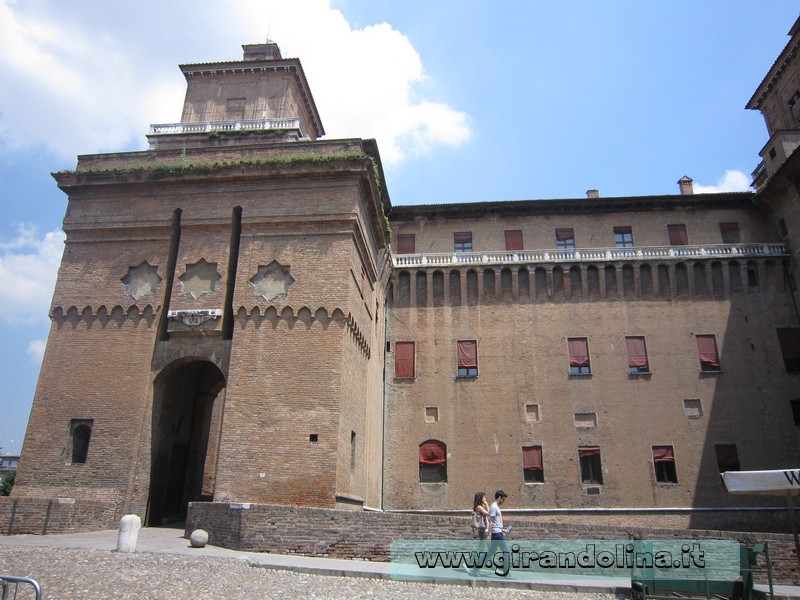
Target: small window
{"type": "Point", "coordinates": [565, 238]}
{"type": "Point", "coordinates": [707, 352]}
{"type": "Point", "coordinates": [677, 235]}
{"type": "Point", "coordinates": [585, 420]}
{"type": "Point", "coordinates": [352, 450]}
{"type": "Point", "coordinates": [623, 237]}
{"type": "Point", "coordinates": [432, 462]}
{"type": "Point", "coordinates": [693, 408]}
{"type": "Point", "coordinates": [532, 466]}
{"type": "Point", "coordinates": [406, 243]}
{"type": "Point", "coordinates": [404, 367]}
{"type": "Point", "coordinates": [514, 239]}
{"type": "Point", "coordinates": [532, 413]}
{"type": "Point", "coordinates": [752, 275]}
{"type": "Point", "coordinates": [591, 469]}
{"type": "Point", "coordinates": [795, 404]}
{"type": "Point", "coordinates": [637, 355]}
{"type": "Point", "coordinates": [772, 153]}
{"type": "Point", "coordinates": [81, 434]}
{"type": "Point", "coordinates": [727, 457]}
{"type": "Point", "coordinates": [664, 464]}
{"type": "Point", "coordinates": [462, 242]}
{"type": "Point", "coordinates": [789, 340]}
{"type": "Point", "coordinates": [467, 358]}
{"type": "Point", "coordinates": [782, 228]}
{"type": "Point", "coordinates": [431, 414]}
{"type": "Point", "coordinates": [578, 356]}
{"type": "Point", "coordinates": [730, 233]}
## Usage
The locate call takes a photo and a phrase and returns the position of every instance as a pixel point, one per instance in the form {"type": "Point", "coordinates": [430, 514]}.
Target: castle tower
{"type": "Point", "coordinates": [218, 320]}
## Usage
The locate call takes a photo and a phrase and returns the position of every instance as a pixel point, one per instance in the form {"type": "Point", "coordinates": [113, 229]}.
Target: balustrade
{"type": "Point", "coordinates": [226, 125]}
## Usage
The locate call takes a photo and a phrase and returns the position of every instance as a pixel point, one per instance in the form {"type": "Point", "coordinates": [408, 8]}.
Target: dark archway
{"type": "Point", "coordinates": [187, 419]}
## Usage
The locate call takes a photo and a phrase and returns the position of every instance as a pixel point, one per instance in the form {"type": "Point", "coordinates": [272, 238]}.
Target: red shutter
{"type": "Point", "coordinates": [677, 235]}
{"type": "Point", "coordinates": [637, 353]}
{"type": "Point", "coordinates": [514, 239]}
{"type": "Point", "coordinates": [707, 349]}
{"type": "Point", "coordinates": [467, 354]}
{"type": "Point", "coordinates": [663, 454]}
{"type": "Point", "coordinates": [578, 352]}
{"type": "Point", "coordinates": [532, 458]}
{"type": "Point", "coordinates": [406, 243]}
{"type": "Point", "coordinates": [588, 450]}
{"type": "Point", "coordinates": [404, 359]}
{"type": "Point", "coordinates": [432, 452]}
{"type": "Point", "coordinates": [565, 234]}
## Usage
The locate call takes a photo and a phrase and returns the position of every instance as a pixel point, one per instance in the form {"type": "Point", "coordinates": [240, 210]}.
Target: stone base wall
{"type": "Point", "coordinates": [59, 515]}
{"type": "Point", "coordinates": [367, 535]}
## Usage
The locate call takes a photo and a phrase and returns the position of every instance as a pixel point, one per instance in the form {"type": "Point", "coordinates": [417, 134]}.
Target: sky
{"type": "Point", "coordinates": [469, 102]}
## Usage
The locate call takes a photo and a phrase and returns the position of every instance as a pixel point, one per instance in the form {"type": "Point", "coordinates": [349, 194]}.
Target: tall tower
{"type": "Point", "coordinates": [218, 320]}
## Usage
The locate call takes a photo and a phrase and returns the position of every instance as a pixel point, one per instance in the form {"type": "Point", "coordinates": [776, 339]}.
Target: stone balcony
{"type": "Point", "coordinates": [591, 255]}
{"type": "Point", "coordinates": [227, 125]}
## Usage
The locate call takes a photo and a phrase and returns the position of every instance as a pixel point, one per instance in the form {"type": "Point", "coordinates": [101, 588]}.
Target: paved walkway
{"type": "Point", "coordinates": [160, 540]}
{"type": "Point", "coordinates": [157, 540]}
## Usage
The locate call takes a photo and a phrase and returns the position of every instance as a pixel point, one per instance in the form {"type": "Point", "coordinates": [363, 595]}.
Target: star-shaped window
{"type": "Point", "coordinates": [200, 278]}
{"type": "Point", "coordinates": [141, 281]}
{"type": "Point", "coordinates": [271, 281]}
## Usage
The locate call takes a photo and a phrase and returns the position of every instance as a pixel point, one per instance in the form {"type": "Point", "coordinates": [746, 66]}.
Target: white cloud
{"type": "Point", "coordinates": [732, 181]}
{"type": "Point", "coordinates": [36, 350]}
{"type": "Point", "coordinates": [28, 269]}
{"type": "Point", "coordinates": [81, 80]}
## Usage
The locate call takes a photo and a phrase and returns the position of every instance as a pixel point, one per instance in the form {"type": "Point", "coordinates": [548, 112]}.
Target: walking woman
{"type": "Point", "coordinates": [480, 524]}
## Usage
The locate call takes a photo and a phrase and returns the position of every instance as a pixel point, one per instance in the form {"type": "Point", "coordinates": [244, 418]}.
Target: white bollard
{"type": "Point", "coordinates": [129, 526]}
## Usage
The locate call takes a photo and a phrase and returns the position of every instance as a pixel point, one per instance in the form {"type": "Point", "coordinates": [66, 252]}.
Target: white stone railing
{"type": "Point", "coordinates": [641, 253]}
{"type": "Point", "coordinates": [228, 125]}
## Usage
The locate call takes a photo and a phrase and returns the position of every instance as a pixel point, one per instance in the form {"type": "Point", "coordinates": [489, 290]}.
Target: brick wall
{"type": "Point", "coordinates": [59, 515]}
{"type": "Point", "coordinates": [367, 535]}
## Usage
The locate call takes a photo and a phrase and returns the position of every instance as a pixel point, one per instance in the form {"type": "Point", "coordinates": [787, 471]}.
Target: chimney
{"type": "Point", "coordinates": [592, 193]}
{"type": "Point", "coordinates": [268, 51]}
{"type": "Point", "coordinates": [685, 184]}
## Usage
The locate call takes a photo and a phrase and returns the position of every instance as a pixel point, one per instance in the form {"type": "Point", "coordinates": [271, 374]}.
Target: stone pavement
{"type": "Point", "coordinates": [164, 541]}
{"type": "Point", "coordinates": [171, 541]}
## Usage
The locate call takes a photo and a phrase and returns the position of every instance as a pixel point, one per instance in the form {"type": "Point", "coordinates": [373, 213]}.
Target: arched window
{"type": "Point", "coordinates": [432, 462]}
{"type": "Point", "coordinates": [81, 434]}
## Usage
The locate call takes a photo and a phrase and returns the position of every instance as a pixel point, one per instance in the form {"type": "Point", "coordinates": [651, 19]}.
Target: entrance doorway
{"type": "Point", "coordinates": [187, 419]}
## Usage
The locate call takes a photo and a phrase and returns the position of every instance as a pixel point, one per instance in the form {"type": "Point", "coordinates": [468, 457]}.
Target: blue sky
{"type": "Point", "coordinates": [469, 101]}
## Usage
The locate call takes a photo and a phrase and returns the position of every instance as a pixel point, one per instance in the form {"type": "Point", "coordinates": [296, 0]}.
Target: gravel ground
{"type": "Point", "coordinates": [89, 573]}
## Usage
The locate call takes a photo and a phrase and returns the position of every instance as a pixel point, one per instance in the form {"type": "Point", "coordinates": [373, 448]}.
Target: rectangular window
{"type": "Point", "coordinates": [532, 467]}
{"type": "Point", "coordinates": [462, 242]}
{"type": "Point", "coordinates": [513, 239]}
{"type": "Point", "coordinates": [565, 238]}
{"type": "Point", "coordinates": [637, 354]}
{"type": "Point", "coordinates": [591, 469]}
{"type": "Point", "coordinates": [795, 404]}
{"type": "Point", "coordinates": [404, 360]}
{"type": "Point", "coordinates": [707, 352]}
{"type": "Point", "coordinates": [578, 356]}
{"type": "Point", "coordinates": [432, 462]}
{"type": "Point", "coordinates": [623, 237]}
{"type": "Point", "coordinates": [406, 243]}
{"type": "Point", "coordinates": [467, 358]}
{"type": "Point", "coordinates": [677, 235]}
{"type": "Point", "coordinates": [789, 339]}
{"type": "Point", "coordinates": [664, 464]}
{"type": "Point", "coordinates": [730, 233]}
{"type": "Point", "coordinates": [727, 457]}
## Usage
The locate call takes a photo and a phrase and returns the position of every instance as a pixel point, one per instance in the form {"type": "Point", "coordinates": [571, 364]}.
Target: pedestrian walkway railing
{"type": "Point", "coordinates": [9, 586]}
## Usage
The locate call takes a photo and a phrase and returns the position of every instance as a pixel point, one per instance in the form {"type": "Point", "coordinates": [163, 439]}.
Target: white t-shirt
{"type": "Point", "coordinates": [497, 517]}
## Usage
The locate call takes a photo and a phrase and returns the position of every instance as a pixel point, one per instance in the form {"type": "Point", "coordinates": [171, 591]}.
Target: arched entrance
{"type": "Point", "coordinates": [187, 419]}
